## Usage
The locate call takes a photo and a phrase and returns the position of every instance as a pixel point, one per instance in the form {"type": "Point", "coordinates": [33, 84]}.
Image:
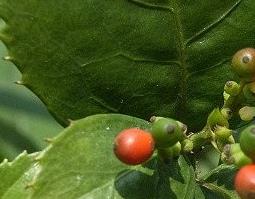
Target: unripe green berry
{"type": "Point", "coordinates": [247, 141]}
{"type": "Point", "coordinates": [233, 154]}
{"type": "Point", "coordinates": [249, 91]}
{"type": "Point", "coordinates": [170, 152]}
{"type": "Point", "coordinates": [240, 159]}
{"type": "Point", "coordinates": [222, 132]}
{"type": "Point", "coordinates": [221, 142]}
{"type": "Point", "coordinates": [235, 148]}
{"type": "Point", "coordinates": [243, 64]}
{"type": "Point", "coordinates": [187, 145]}
{"type": "Point", "coordinates": [217, 118]}
{"type": "Point", "coordinates": [247, 113]}
{"type": "Point", "coordinates": [232, 88]}
{"type": "Point", "coordinates": [166, 132]}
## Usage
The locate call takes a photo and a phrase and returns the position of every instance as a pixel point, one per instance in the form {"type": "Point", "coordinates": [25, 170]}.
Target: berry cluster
{"type": "Point", "coordinates": [243, 154]}
{"type": "Point", "coordinates": [134, 146]}
{"type": "Point", "coordinates": [170, 138]}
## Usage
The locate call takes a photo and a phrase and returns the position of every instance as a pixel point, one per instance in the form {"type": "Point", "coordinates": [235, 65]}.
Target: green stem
{"type": "Point", "coordinates": [201, 138]}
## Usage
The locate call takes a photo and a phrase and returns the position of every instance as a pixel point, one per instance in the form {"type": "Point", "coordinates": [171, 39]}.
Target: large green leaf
{"type": "Point", "coordinates": [80, 163]}
{"type": "Point", "coordinates": [138, 57]}
{"type": "Point", "coordinates": [24, 122]}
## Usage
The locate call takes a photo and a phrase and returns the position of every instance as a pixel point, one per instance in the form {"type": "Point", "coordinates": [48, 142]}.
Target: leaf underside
{"type": "Point", "coordinates": [137, 57]}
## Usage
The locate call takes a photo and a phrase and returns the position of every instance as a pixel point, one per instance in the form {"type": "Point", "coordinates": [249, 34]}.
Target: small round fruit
{"type": "Point", "coordinates": [245, 182]}
{"type": "Point", "coordinates": [217, 118]}
{"type": "Point", "coordinates": [243, 64]}
{"type": "Point", "coordinates": [232, 88]}
{"type": "Point", "coordinates": [133, 146]}
{"type": "Point", "coordinates": [171, 152]}
{"type": "Point", "coordinates": [249, 92]}
{"type": "Point", "coordinates": [247, 141]}
{"type": "Point", "coordinates": [166, 132]}
{"type": "Point", "coordinates": [247, 113]}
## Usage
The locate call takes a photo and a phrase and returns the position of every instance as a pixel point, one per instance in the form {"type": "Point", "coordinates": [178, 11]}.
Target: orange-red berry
{"type": "Point", "coordinates": [245, 182]}
{"type": "Point", "coordinates": [133, 146]}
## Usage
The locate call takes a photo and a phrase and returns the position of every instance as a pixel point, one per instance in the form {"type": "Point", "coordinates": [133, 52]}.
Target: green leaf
{"type": "Point", "coordinates": [219, 183]}
{"type": "Point", "coordinates": [206, 160]}
{"type": "Point", "coordinates": [80, 163]}
{"type": "Point", "coordinates": [15, 176]}
{"type": "Point", "coordinates": [24, 122]}
{"type": "Point", "coordinates": [138, 57]}
{"type": "Point", "coordinates": [173, 180]}
{"type": "Point", "coordinates": [199, 194]}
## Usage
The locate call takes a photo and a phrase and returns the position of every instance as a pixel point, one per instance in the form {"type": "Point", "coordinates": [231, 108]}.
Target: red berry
{"type": "Point", "coordinates": [245, 182]}
{"type": "Point", "coordinates": [133, 146]}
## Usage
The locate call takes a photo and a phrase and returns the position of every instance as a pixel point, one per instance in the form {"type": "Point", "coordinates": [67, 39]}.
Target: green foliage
{"type": "Point", "coordinates": [24, 122]}
{"type": "Point", "coordinates": [137, 57]}
{"type": "Point", "coordinates": [207, 160]}
{"type": "Point", "coordinates": [219, 183]}
{"type": "Point", "coordinates": [80, 163]}
{"type": "Point", "coordinates": [216, 118]}
{"type": "Point", "coordinates": [15, 176]}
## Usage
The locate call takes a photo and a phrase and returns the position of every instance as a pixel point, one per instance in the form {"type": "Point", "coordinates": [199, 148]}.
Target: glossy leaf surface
{"type": "Point", "coordinates": [138, 57]}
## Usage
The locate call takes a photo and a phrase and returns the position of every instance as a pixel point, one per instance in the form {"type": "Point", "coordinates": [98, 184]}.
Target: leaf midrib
{"type": "Point", "coordinates": [182, 96]}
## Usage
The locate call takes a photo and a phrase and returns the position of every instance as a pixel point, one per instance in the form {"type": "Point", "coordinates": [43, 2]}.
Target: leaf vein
{"type": "Point", "coordinates": [130, 57]}
{"type": "Point", "coordinates": [213, 24]}
{"type": "Point", "coordinates": [151, 6]}
{"type": "Point", "coordinates": [211, 67]}
{"type": "Point", "coordinates": [183, 64]}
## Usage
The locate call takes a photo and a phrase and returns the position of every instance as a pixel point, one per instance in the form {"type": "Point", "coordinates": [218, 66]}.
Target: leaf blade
{"type": "Point", "coordinates": [150, 56]}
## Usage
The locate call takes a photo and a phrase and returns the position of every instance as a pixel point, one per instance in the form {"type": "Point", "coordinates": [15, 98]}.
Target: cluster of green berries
{"type": "Point", "coordinates": [135, 146]}
{"type": "Point", "coordinates": [169, 137]}
{"type": "Point", "coordinates": [242, 154]}
{"type": "Point", "coordinates": [243, 65]}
